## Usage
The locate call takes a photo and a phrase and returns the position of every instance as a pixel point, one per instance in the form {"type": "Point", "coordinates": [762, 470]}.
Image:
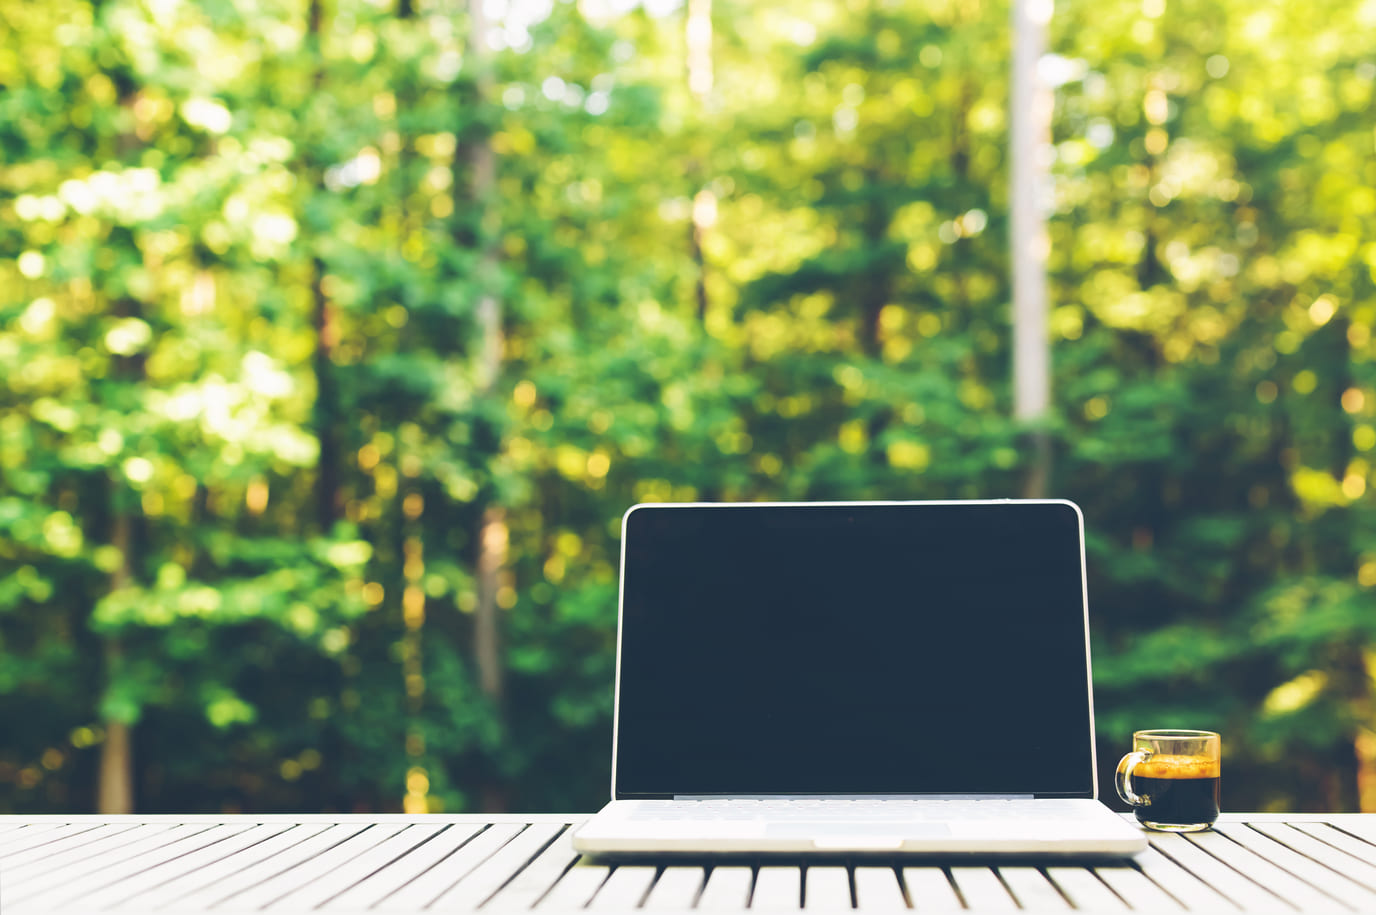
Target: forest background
{"type": "Point", "coordinates": [337, 335]}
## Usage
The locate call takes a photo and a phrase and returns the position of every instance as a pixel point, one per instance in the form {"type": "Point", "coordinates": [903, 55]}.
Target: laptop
{"type": "Point", "coordinates": [854, 678]}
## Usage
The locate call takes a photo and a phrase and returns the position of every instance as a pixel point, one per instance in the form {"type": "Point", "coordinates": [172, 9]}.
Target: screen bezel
{"type": "Point", "coordinates": [1092, 768]}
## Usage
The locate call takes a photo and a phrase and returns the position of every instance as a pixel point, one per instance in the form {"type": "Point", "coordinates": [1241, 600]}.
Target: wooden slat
{"type": "Point", "coordinates": [537, 877]}
{"type": "Point", "coordinates": [371, 862]}
{"type": "Point", "coordinates": [826, 888]}
{"type": "Point", "coordinates": [145, 889]}
{"type": "Point", "coordinates": [981, 889]}
{"type": "Point", "coordinates": [1032, 889]}
{"type": "Point", "coordinates": [11, 824]}
{"type": "Point", "coordinates": [1331, 883]}
{"type": "Point", "coordinates": [497, 870]}
{"type": "Point", "coordinates": [1085, 890]}
{"type": "Point", "coordinates": [1363, 828]}
{"type": "Point", "coordinates": [575, 888]}
{"type": "Point", "coordinates": [1247, 895]}
{"type": "Point", "coordinates": [358, 853]}
{"type": "Point", "coordinates": [677, 888]}
{"type": "Point", "coordinates": [930, 888]}
{"type": "Point", "coordinates": [878, 888]}
{"type": "Point", "coordinates": [727, 889]}
{"type": "Point", "coordinates": [1344, 841]}
{"type": "Point", "coordinates": [22, 835]}
{"type": "Point", "coordinates": [105, 876]}
{"type": "Point", "coordinates": [85, 856]}
{"type": "Point", "coordinates": [242, 869]}
{"type": "Point", "coordinates": [46, 847]}
{"type": "Point", "coordinates": [625, 888]}
{"type": "Point", "coordinates": [1288, 887]}
{"type": "Point", "coordinates": [141, 886]}
{"type": "Point", "coordinates": [371, 888]}
{"type": "Point", "coordinates": [1133, 886]}
{"type": "Point", "coordinates": [428, 885]}
{"type": "Point", "coordinates": [1355, 869]}
{"type": "Point", "coordinates": [60, 833]}
{"type": "Point", "coordinates": [777, 888]}
{"type": "Point", "coordinates": [1267, 864]}
{"type": "Point", "coordinates": [1193, 893]}
{"type": "Point", "coordinates": [302, 866]}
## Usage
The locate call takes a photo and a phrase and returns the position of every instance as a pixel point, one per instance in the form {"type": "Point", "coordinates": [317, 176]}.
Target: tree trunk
{"type": "Point", "coordinates": [703, 203]}
{"type": "Point", "coordinates": [476, 217]}
{"type": "Point", "coordinates": [115, 788]}
{"type": "Point", "coordinates": [1029, 137]}
{"type": "Point", "coordinates": [115, 780]}
{"type": "Point", "coordinates": [326, 409]}
{"type": "Point", "coordinates": [486, 635]}
{"type": "Point", "coordinates": [116, 795]}
{"type": "Point", "coordinates": [698, 39]}
{"type": "Point", "coordinates": [876, 286]}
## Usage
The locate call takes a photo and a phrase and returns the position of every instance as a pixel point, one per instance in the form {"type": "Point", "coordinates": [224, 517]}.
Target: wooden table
{"type": "Point", "coordinates": [1250, 863]}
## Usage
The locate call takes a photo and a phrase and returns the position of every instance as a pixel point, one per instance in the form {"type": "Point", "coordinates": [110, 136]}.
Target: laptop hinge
{"type": "Point", "coordinates": [853, 797]}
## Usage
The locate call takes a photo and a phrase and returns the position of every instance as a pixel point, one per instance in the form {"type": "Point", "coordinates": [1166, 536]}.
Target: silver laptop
{"type": "Point", "coordinates": [854, 678]}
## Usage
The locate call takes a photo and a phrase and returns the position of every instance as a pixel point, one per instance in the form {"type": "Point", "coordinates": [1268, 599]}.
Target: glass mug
{"type": "Point", "coordinates": [1171, 779]}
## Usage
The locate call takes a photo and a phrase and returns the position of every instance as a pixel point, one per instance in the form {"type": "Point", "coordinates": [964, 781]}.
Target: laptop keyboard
{"type": "Point", "coordinates": [828, 810]}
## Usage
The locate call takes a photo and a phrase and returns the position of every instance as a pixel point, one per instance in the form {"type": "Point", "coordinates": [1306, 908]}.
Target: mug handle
{"type": "Point", "coordinates": [1123, 778]}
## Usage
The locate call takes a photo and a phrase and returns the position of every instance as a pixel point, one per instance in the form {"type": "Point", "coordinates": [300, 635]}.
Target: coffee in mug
{"type": "Point", "coordinates": [1171, 779]}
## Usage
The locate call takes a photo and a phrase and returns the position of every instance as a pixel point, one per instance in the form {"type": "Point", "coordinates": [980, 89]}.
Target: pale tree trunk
{"type": "Point", "coordinates": [326, 410]}
{"type": "Point", "coordinates": [492, 557]}
{"type": "Point", "coordinates": [477, 160]}
{"type": "Point", "coordinates": [1029, 143]}
{"type": "Point", "coordinates": [698, 38]}
{"type": "Point", "coordinates": [116, 770]}
{"type": "Point", "coordinates": [413, 602]}
{"type": "Point", "coordinates": [115, 779]}
{"type": "Point", "coordinates": [412, 668]}
{"type": "Point", "coordinates": [482, 174]}
{"type": "Point", "coordinates": [115, 788]}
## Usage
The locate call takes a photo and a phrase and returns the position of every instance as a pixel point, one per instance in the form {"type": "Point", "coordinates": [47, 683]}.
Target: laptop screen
{"type": "Point", "coordinates": [853, 648]}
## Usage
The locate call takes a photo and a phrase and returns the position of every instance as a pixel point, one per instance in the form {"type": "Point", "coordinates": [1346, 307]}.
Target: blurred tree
{"type": "Point", "coordinates": [336, 338]}
{"type": "Point", "coordinates": [1200, 252]}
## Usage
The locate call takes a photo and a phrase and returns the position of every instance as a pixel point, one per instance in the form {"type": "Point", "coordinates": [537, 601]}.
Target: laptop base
{"type": "Point", "coordinates": [1055, 829]}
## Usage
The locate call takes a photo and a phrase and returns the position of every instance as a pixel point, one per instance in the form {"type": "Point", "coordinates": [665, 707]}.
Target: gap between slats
{"type": "Point", "coordinates": [1290, 877]}
{"type": "Point", "coordinates": [1190, 890]}
{"type": "Point", "coordinates": [735, 888]}
{"type": "Point", "coordinates": [677, 887]}
{"type": "Point", "coordinates": [1358, 830]}
{"type": "Point", "coordinates": [442, 875]}
{"type": "Point", "coordinates": [529, 886]}
{"type": "Point", "coordinates": [205, 880]}
{"type": "Point", "coordinates": [147, 887]}
{"type": "Point", "coordinates": [1355, 867]}
{"type": "Point", "coordinates": [1344, 841]}
{"type": "Point", "coordinates": [60, 844]}
{"type": "Point", "coordinates": [84, 879]}
{"type": "Point", "coordinates": [1085, 889]}
{"type": "Point", "coordinates": [499, 869]}
{"type": "Point", "coordinates": [1235, 886]}
{"type": "Point", "coordinates": [1254, 866]}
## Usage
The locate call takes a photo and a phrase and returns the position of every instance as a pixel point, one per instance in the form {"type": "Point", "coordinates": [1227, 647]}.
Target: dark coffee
{"type": "Point", "coordinates": [1180, 790]}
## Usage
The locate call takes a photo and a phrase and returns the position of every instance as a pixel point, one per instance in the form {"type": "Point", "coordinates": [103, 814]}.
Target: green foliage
{"type": "Point", "coordinates": [248, 443]}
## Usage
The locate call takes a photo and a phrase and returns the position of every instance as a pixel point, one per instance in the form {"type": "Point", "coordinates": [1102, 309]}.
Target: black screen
{"type": "Point", "coordinates": [903, 648]}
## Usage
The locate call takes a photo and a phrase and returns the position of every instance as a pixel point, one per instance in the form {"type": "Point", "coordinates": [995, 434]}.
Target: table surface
{"type": "Point", "coordinates": [1249, 862]}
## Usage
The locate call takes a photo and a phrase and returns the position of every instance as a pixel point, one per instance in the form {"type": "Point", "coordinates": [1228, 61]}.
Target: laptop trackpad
{"type": "Point", "coordinates": [859, 832]}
